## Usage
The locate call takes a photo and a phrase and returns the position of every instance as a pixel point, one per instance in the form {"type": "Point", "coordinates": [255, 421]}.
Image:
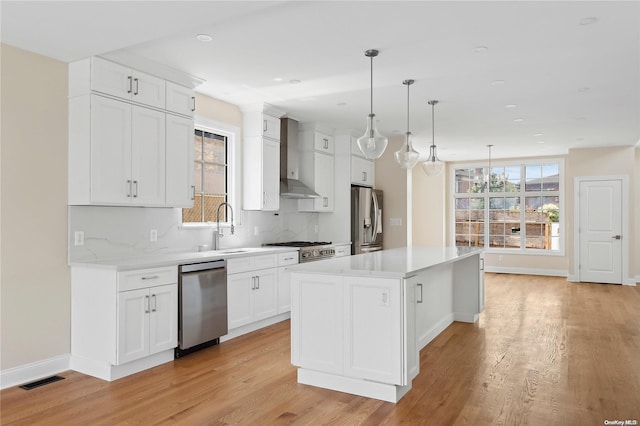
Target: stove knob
{"type": "Point", "coordinates": [316, 253]}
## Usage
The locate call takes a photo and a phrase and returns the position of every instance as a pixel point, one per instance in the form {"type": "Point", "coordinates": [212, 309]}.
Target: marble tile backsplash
{"type": "Point", "coordinates": [116, 232]}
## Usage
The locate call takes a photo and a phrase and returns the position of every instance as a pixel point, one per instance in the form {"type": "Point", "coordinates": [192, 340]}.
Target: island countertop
{"type": "Point", "coordinates": [400, 262]}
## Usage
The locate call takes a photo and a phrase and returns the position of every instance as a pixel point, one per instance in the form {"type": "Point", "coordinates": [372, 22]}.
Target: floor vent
{"type": "Point", "coordinates": [41, 382]}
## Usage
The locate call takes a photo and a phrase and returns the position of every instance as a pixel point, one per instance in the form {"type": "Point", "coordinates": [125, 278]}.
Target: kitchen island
{"type": "Point", "coordinates": [359, 322]}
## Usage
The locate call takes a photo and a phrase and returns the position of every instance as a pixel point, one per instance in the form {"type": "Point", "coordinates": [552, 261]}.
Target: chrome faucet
{"type": "Point", "coordinates": [217, 234]}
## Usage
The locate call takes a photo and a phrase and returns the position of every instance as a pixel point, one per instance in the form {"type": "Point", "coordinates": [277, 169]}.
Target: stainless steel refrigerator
{"type": "Point", "coordinates": [366, 220]}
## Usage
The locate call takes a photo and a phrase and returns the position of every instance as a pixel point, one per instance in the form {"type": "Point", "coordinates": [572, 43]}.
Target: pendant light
{"type": "Point", "coordinates": [407, 157]}
{"type": "Point", "coordinates": [433, 166]}
{"type": "Point", "coordinates": [372, 144]}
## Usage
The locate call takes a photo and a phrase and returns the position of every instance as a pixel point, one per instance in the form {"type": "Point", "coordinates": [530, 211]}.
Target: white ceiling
{"type": "Point", "coordinates": [576, 85]}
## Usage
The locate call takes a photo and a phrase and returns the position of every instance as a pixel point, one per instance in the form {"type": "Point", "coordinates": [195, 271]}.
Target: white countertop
{"type": "Point", "coordinates": [393, 263]}
{"type": "Point", "coordinates": [172, 259]}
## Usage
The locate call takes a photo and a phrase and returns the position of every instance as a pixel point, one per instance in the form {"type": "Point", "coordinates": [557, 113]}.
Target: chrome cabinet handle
{"type": "Point", "coordinates": [617, 237]}
{"type": "Point", "coordinates": [258, 282]}
{"type": "Point", "coordinates": [288, 258]}
{"type": "Point", "coordinates": [264, 198]}
{"type": "Point", "coordinates": [481, 264]}
{"type": "Point", "coordinates": [253, 283]}
{"type": "Point", "coordinates": [420, 300]}
{"type": "Point", "coordinates": [137, 86]}
{"type": "Point", "coordinates": [325, 201]}
{"type": "Point", "coordinates": [265, 126]}
{"type": "Point", "coordinates": [155, 303]}
{"type": "Point", "coordinates": [151, 277]}
{"type": "Point", "coordinates": [364, 176]}
{"type": "Point", "coordinates": [130, 84]}
{"type": "Point", "coordinates": [135, 185]}
{"type": "Point", "coordinates": [194, 103]}
{"type": "Point", "coordinates": [129, 185]}
{"type": "Point", "coordinates": [146, 304]}
{"type": "Point", "coordinates": [326, 143]}
{"type": "Point", "coordinates": [193, 192]}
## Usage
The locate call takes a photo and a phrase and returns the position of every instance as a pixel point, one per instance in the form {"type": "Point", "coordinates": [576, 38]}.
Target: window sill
{"type": "Point", "coordinates": [204, 225]}
{"type": "Point", "coordinates": [529, 252]}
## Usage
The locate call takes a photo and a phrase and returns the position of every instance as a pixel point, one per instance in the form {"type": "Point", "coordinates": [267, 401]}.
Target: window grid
{"type": "Point", "coordinates": [210, 177]}
{"type": "Point", "coordinates": [517, 208]}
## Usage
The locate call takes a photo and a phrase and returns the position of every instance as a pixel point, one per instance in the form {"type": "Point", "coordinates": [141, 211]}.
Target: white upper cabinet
{"type": "Point", "coordinates": [121, 128]}
{"type": "Point", "coordinates": [123, 82]}
{"type": "Point", "coordinates": [180, 99]}
{"type": "Point", "coordinates": [261, 158]}
{"type": "Point", "coordinates": [317, 168]}
{"type": "Point", "coordinates": [362, 170]}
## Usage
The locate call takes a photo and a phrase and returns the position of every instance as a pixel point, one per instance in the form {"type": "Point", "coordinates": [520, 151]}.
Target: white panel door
{"type": "Point", "coordinates": [163, 320]}
{"type": "Point", "coordinates": [373, 330]}
{"type": "Point", "coordinates": [148, 90]}
{"type": "Point", "coordinates": [180, 99]}
{"type": "Point", "coordinates": [110, 151]}
{"type": "Point", "coordinates": [148, 156]}
{"type": "Point", "coordinates": [180, 189]}
{"type": "Point", "coordinates": [111, 78]}
{"type": "Point", "coordinates": [133, 324]}
{"type": "Point", "coordinates": [239, 300]}
{"type": "Point", "coordinates": [265, 294]}
{"type": "Point", "coordinates": [600, 231]}
{"type": "Point", "coordinates": [270, 174]}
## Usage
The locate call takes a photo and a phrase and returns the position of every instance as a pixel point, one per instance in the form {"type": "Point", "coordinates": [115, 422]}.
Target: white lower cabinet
{"type": "Point", "coordinates": [251, 296]}
{"type": "Point", "coordinates": [343, 250]}
{"type": "Point", "coordinates": [122, 322]}
{"type": "Point", "coordinates": [147, 321]}
{"type": "Point", "coordinates": [353, 327]}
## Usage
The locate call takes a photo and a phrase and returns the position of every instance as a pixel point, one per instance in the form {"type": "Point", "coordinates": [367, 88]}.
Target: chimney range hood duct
{"type": "Point", "coordinates": [290, 186]}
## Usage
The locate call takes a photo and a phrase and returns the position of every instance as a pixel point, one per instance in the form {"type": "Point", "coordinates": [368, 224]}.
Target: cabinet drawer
{"type": "Point", "coordinates": [289, 258]}
{"type": "Point", "coordinates": [251, 263]}
{"type": "Point", "coordinates": [343, 250]}
{"type": "Point", "coordinates": [144, 278]}
{"type": "Point", "coordinates": [270, 127]}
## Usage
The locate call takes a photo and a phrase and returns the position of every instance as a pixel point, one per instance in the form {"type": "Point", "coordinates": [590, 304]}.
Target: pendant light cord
{"type": "Point", "coordinates": [371, 91]}
{"type": "Point", "coordinates": [433, 126]}
{"type": "Point", "coordinates": [408, 84]}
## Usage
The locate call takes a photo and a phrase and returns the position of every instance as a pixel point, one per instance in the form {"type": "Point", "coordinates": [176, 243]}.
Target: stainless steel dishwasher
{"type": "Point", "coordinates": [202, 305]}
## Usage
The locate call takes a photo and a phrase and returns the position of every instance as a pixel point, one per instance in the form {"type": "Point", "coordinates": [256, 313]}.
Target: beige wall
{"type": "Point", "coordinates": [217, 110]}
{"type": "Point", "coordinates": [392, 180]}
{"type": "Point", "coordinates": [429, 217]}
{"type": "Point", "coordinates": [35, 279]}
{"type": "Point", "coordinates": [636, 214]}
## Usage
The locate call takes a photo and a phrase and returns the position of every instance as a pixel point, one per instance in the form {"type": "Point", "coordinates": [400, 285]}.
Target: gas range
{"type": "Point", "coordinates": [310, 250]}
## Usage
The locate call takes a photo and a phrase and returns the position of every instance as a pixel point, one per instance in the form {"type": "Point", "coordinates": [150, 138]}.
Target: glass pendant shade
{"type": "Point", "coordinates": [407, 157]}
{"type": "Point", "coordinates": [433, 166]}
{"type": "Point", "coordinates": [372, 143]}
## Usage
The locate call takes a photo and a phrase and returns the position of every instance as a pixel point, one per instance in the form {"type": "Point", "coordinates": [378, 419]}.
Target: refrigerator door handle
{"type": "Point", "coordinates": [374, 235]}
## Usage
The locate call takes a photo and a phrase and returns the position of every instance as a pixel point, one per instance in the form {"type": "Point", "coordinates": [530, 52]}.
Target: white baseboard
{"type": "Point", "coordinates": [527, 271]}
{"type": "Point", "coordinates": [433, 332]}
{"type": "Point", "coordinates": [239, 331]}
{"type": "Point", "coordinates": [34, 371]}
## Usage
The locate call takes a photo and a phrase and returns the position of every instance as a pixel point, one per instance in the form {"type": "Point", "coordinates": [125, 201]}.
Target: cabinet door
{"type": "Point", "coordinates": [148, 156]}
{"type": "Point", "coordinates": [111, 78]}
{"type": "Point", "coordinates": [323, 143]}
{"type": "Point", "coordinates": [362, 171]}
{"type": "Point", "coordinates": [180, 189]}
{"type": "Point", "coordinates": [133, 325]}
{"type": "Point", "coordinates": [373, 329]}
{"type": "Point", "coordinates": [411, 355]}
{"type": "Point", "coordinates": [265, 301]}
{"type": "Point", "coordinates": [270, 174]}
{"type": "Point", "coordinates": [148, 90]}
{"type": "Point", "coordinates": [324, 180]}
{"type": "Point", "coordinates": [284, 290]}
{"type": "Point", "coordinates": [271, 127]}
{"type": "Point", "coordinates": [163, 318]}
{"type": "Point", "coordinates": [180, 99]}
{"type": "Point", "coordinates": [239, 298]}
{"type": "Point", "coordinates": [317, 329]}
{"type": "Point", "coordinates": [110, 151]}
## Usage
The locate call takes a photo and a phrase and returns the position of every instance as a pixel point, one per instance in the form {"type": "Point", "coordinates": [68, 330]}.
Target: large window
{"type": "Point", "coordinates": [514, 207]}
{"type": "Point", "coordinates": [211, 177]}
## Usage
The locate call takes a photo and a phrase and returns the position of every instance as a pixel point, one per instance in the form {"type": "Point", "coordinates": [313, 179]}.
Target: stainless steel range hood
{"type": "Point", "coordinates": [290, 186]}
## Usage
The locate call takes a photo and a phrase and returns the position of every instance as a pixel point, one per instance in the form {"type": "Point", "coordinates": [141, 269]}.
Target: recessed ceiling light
{"type": "Point", "coordinates": [497, 82]}
{"type": "Point", "coordinates": [278, 79]}
{"type": "Point", "coordinates": [341, 104]}
{"type": "Point", "coordinates": [294, 81]}
{"type": "Point", "coordinates": [480, 49]}
{"type": "Point", "coordinates": [539, 141]}
{"type": "Point", "coordinates": [537, 134]}
{"type": "Point", "coordinates": [509, 106]}
{"type": "Point", "coordinates": [589, 20]}
{"type": "Point", "coordinates": [518, 120]}
{"type": "Point", "coordinates": [204, 37]}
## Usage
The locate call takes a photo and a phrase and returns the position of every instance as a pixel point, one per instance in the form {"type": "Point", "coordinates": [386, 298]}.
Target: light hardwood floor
{"type": "Point", "coordinates": [544, 352]}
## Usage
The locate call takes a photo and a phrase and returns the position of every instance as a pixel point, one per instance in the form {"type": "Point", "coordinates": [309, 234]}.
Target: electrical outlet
{"type": "Point", "coordinates": [78, 238]}
{"type": "Point", "coordinates": [395, 221]}
{"type": "Point", "coordinates": [153, 235]}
